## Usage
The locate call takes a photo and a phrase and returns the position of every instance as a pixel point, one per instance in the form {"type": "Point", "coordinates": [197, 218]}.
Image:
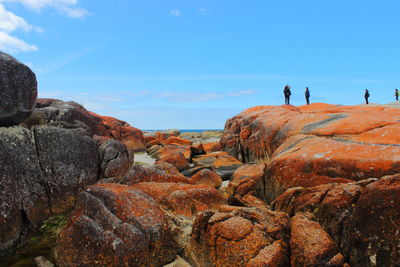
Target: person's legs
{"type": "Point", "coordinates": [308, 100]}
{"type": "Point", "coordinates": [397, 98]}
{"type": "Point", "coordinates": [288, 100]}
{"type": "Point", "coordinates": [366, 100]}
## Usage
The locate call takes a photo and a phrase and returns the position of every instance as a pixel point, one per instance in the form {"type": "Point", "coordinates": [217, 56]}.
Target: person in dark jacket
{"type": "Point", "coordinates": [396, 94]}
{"type": "Point", "coordinates": [307, 95]}
{"type": "Point", "coordinates": [366, 96]}
{"type": "Point", "coordinates": [287, 93]}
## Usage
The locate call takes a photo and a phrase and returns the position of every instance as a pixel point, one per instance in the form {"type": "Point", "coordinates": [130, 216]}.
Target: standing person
{"type": "Point", "coordinates": [287, 93]}
{"type": "Point", "coordinates": [396, 94]}
{"type": "Point", "coordinates": [307, 95]}
{"type": "Point", "coordinates": [366, 95]}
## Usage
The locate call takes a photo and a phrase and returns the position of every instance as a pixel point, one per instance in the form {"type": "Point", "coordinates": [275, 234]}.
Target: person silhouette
{"type": "Point", "coordinates": [396, 94]}
{"type": "Point", "coordinates": [307, 95]}
{"type": "Point", "coordinates": [366, 96]}
{"type": "Point", "coordinates": [287, 93]}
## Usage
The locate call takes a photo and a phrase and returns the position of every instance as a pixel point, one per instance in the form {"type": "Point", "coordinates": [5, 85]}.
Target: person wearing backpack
{"type": "Point", "coordinates": [366, 96]}
{"type": "Point", "coordinates": [396, 94]}
{"type": "Point", "coordinates": [287, 93]}
{"type": "Point", "coordinates": [307, 95]}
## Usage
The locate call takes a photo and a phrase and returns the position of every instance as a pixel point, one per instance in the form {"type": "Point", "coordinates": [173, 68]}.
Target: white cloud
{"type": "Point", "coordinates": [175, 12]}
{"type": "Point", "coordinates": [10, 22]}
{"type": "Point", "coordinates": [65, 6]}
{"type": "Point", "coordinates": [12, 44]}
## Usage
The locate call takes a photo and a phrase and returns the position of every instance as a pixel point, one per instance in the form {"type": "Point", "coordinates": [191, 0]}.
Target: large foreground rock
{"type": "Point", "coordinates": [315, 144]}
{"type": "Point", "coordinates": [116, 225]}
{"type": "Point", "coordinates": [41, 172]}
{"type": "Point", "coordinates": [363, 217]}
{"type": "Point", "coordinates": [18, 91]}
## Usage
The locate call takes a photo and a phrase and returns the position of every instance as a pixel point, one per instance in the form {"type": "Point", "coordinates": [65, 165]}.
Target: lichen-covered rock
{"type": "Point", "coordinates": [18, 91]}
{"type": "Point", "coordinates": [115, 159]}
{"type": "Point", "coordinates": [173, 140]}
{"type": "Point", "coordinates": [116, 225]}
{"type": "Point", "coordinates": [173, 149]}
{"type": "Point", "coordinates": [248, 179]}
{"type": "Point", "coordinates": [315, 144]}
{"type": "Point", "coordinates": [176, 159]}
{"type": "Point", "coordinates": [211, 147]}
{"type": "Point", "coordinates": [73, 116]}
{"type": "Point", "coordinates": [362, 217]}
{"type": "Point", "coordinates": [69, 115]}
{"type": "Point", "coordinates": [207, 177]}
{"type": "Point", "coordinates": [236, 238]}
{"type": "Point", "coordinates": [121, 131]}
{"type": "Point", "coordinates": [161, 172]}
{"type": "Point", "coordinates": [41, 172]}
{"type": "Point", "coordinates": [183, 199]}
{"type": "Point", "coordinates": [311, 245]}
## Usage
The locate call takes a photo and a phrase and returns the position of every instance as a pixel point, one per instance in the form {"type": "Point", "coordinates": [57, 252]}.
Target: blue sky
{"type": "Point", "coordinates": [193, 64]}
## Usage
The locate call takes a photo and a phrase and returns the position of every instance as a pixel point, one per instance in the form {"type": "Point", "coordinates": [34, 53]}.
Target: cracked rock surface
{"type": "Point", "coordinates": [41, 172]}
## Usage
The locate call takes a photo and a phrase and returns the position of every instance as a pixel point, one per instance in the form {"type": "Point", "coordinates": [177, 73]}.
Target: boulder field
{"type": "Point", "coordinates": [317, 185]}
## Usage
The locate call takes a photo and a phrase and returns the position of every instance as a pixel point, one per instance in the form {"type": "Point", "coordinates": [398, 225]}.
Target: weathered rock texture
{"type": "Point", "coordinates": [41, 172]}
{"type": "Point", "coordinates": [18, 91]}
{"type": "Point", "coordinates": [316, 144]}
{"type": "Point", "coordinates": [363, 217]}
{"type": "Point", "coordinates": [71, 115]}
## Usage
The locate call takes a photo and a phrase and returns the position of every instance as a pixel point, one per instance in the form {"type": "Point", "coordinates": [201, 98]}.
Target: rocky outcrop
{"type": "Point", "coordinates": [362, 217]}
{"type": "Point", "coordinates": [73, 116]}
{"type": "Point", "coordinates": [116, 225]}
{"type": "Point", "coordinates": [120, 130]}
{"type": "Point", "coordinates": [315, 144]}
{"type": "Point", "coordinates": [18, 91]}
{"type": "Point", "coordinates": [238, 238]}
{"type": "Point", "coordinates": [41, 172]}
{"type": "Point", "coordinates": [311, 245]}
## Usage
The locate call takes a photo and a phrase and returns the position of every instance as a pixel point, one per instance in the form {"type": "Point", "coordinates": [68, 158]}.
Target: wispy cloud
{"type": "Point", "coordinates": [67, 7]}
{"type": "Point", "coordinates": [175, 12]}
{"type": "Point", "coordinates": [10, 22]}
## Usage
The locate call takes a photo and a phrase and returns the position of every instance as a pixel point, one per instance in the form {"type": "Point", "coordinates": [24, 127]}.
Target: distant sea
{"type": "Point", "coordinates": [189, 130]}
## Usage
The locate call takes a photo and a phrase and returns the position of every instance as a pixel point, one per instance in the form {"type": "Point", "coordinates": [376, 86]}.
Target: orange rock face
{"type": "Point", "coordinates": [211, 147]}
{"type": "Point", "coordinates": [173, 140]}
{"type": "Point", "coordinates": [247, 179]}
{"type": "Point", "coordinates": [311, 245]}
{"type": "Point", "coordinates": [237, 238]}
{"type": "Point", "coordinates": [161, 172]}
{"type": "Point", "coordinates": [183, 199]}
{"type": "Point", "coordinates": [208, 177]}
{"type": "Point", "coordinates": [176, 159]}
{"type": "Point", "coordinates": [121, 131]}
{"type": "Point", "coordinates": [113, 225]}
{"type": "Point", "coordinates": [362, 217]}
{"type": "Point", "coordinates": [316, 144]}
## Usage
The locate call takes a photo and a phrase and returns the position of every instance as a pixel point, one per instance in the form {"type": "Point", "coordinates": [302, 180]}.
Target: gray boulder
{"type": "Point", "coordinates": [115, 159]}
{"type": "Point", "coordinates": [41, 172]}
{"type": "Point", "coordinates": [18, 91]}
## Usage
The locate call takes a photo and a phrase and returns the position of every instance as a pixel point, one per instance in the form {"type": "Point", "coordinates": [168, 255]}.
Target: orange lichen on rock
{"type": "Point", "coordinates": [183, 199]}
{"type": "Point", "coordinates": [207, 177]}
{"type": "Point", "coordinates": [316, 144]}
{"type": "Point", "coordinates": [211, 147]}
{"type": "Point", "coordinates": [120, 130]}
